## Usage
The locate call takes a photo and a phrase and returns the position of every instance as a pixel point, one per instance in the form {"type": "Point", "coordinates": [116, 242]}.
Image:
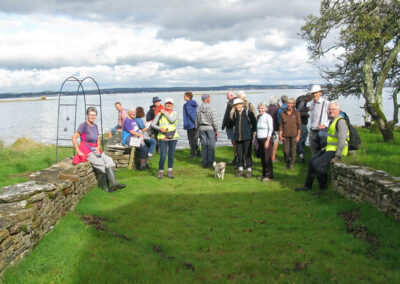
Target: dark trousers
{"type": "Point", "coordinates": [289, 149]}
{"type": "Point", "coordinates": [167, 146]}
{"type": "Point", "coordinates": [319, 166]}
{"type": "Point", "coordinates": [208, 140]}
{"type": "Point", "coordinates": [265, 156]}
{"type": "Point", "coordinates": [303, 138]}
{"type": "Point", "coordinates": [244, 153]}
{"type": "Point", "coordinates": [193, 137]}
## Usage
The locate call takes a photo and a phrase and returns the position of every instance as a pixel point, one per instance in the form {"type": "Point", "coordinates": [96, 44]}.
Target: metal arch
{"type": "Point", "coordinates": [80, 87]}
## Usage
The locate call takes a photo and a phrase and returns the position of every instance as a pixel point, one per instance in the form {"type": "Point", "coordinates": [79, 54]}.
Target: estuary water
{"type": "Point", "coordinates": [38, 119]}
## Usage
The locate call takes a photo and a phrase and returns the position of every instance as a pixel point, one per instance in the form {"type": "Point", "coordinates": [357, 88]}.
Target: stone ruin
{"type": "Point", "coordinates": [362, 184]}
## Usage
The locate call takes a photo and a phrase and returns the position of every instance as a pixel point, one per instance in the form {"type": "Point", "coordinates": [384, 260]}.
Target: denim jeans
{"type": "Point", "coordinates": [167, 146]}
{"type": "Point", "coordinates": [208, 140]}
{"type": "Point", "coordinates": [151, 144]}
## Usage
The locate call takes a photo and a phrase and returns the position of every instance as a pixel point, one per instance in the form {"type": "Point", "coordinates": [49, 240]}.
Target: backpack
{"type": "Point", "coordinates": [354, 137]}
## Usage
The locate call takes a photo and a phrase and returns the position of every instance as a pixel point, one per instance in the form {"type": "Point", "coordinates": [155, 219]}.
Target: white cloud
{"type": "Point", "coordinates": [152, 43]}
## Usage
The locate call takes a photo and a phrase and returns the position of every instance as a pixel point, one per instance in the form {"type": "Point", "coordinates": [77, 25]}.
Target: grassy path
{"type": "Point", "coordinates": [196, 229]}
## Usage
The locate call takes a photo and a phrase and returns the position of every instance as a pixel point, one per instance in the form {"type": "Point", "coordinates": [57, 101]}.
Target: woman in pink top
{"type": "Point", "coordinates": [89, 150]}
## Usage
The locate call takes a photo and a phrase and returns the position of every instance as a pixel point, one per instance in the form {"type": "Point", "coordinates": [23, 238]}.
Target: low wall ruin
{"type": "Point", "coordinates": [362, 184]}
{"type": "Point", "coordinates": [29, 210]}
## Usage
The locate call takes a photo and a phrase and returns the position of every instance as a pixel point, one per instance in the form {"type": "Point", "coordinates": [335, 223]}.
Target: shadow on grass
{"type": "Point", "coordinates": [195, 228]}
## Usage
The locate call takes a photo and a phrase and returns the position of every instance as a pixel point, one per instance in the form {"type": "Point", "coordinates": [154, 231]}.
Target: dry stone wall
{"type": "Point", "coordinates": [362, 184]}
{"type": "Point", "coordinates": [29, 210]}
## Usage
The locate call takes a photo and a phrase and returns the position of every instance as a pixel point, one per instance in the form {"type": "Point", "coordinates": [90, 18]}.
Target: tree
{"type": "Point", "coordinates": [367, 49]}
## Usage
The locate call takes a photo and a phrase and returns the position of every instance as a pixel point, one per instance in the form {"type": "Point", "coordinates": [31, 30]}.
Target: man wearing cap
{"type": "Point", "coordinates": [318, 116]}
{"type": "Point", "coordinates": [301, 106]}
{"type": "Point", "coordinates": [337, 147]}
{"type": "Point", "coordinates": [122, 114]}
{"type": "Point", "coordinates": [153, 111]}
{"type": "Point", "coordinates": [206, 123]}
{"type": "Point", "coordinates": [227, 123]}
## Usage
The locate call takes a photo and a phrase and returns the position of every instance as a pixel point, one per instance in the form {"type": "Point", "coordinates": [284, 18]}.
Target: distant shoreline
{"type": "Point", "coordinates": [53, 94]}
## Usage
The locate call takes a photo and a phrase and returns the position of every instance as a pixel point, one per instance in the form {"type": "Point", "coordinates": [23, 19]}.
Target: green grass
{"type": "Point", "coordinates": [235, 231]}
{"type": "Point", "coordinates": [378, 154]}
{"type": "Point", "coordinates": [16, 165]}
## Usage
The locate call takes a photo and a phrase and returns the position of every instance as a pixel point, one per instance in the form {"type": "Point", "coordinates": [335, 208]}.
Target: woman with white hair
{"type": "Point", "coordinates": [265, 129]}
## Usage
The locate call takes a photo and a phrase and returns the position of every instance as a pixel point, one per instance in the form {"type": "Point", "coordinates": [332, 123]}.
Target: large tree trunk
{"type": "Point", "coordinates": [373, 102]}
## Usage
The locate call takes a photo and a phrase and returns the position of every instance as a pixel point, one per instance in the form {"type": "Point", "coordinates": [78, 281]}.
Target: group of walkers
{"type": "Point", "coordinates": [274, 124]}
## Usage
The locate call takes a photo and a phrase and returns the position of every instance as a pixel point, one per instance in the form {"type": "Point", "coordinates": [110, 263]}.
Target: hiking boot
{"type": "Point", "coordinates": [303, 188]}
{"type": "Point", "coordinates": [233, 163]}
{"type": "Point", "coordinates": [239, 174]}
{"type": "Point", "coordinates": [170, 174]}
{"type": "Point", "coordinates": [319, 192]}
{"type": "Point", "coordinates": [160, 175]}
{"type": "Point", "coordinates": [248, 174]}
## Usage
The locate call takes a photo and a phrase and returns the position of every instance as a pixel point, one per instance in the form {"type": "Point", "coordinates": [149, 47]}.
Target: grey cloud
{"type": "Point", "coordinates": [209, 21]}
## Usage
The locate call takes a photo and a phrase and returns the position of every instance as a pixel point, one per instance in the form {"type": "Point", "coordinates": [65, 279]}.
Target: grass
{"type": "Point", "coordinates": [196, 229]}
{"type": "Point", "coordinates": [26, 157]}
{"type": "Point", "coordinates": [378, 154]}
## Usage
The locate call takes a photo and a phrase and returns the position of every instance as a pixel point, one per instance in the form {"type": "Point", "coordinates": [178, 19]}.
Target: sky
{"type": "Point", "coordinates": [153, 43]}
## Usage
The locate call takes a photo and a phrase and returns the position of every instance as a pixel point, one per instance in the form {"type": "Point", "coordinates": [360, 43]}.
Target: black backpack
{"type": "Point", "coordinates": [354, 137]}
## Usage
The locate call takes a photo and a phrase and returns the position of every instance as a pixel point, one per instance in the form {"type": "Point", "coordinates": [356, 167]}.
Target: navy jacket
{"type": "Point", "coordinates": [189, 114]}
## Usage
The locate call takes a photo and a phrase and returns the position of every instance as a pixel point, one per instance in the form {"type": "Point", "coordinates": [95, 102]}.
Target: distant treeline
{"type": "Point", "coordinates": [155, 90]}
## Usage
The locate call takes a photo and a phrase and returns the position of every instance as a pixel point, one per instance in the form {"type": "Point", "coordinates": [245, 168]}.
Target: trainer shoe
{"type": "Point", "coordinates": [266, 179]}
{"type": "Point", "coordinates": [303, 188]}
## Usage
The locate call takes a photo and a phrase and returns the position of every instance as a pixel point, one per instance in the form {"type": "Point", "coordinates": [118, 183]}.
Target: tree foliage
{"type": "Point", "coordinates": [364, 36]}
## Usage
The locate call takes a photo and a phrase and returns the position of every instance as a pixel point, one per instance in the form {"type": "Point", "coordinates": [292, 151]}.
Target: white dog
{"type": "Point", "coordinates": [219, 170]}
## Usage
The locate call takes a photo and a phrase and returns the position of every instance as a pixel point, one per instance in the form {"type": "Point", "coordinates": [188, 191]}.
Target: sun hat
{"type": "Point", "coordinates": [156, 99]}
{"type": "Point", "coordinates": [315, 89]}
{"type": "Point", "coordinates": [205, 97]}
{"type": "Point", "coordinates": [237, 101]}
{"type": "Point", "coordinates": [169, 100]}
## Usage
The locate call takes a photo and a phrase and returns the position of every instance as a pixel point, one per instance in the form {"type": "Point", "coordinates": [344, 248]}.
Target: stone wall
{"type": "Point", "coordinates": [120, 154]}
{"type": "Point", "coordinates": [29, 210]}
{"type": "Point", "coordinates": [362, 184]}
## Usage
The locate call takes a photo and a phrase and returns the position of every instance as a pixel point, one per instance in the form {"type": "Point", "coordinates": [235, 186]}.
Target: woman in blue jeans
{"type": "Point", "coordinates": [165, 122]}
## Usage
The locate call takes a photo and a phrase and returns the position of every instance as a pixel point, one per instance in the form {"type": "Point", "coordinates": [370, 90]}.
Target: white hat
{"type": "Point", "coordinates": [237, 101]}
{"type": "Point", "coordinates": [242, 94]}
{"type": "Point", "coordinates": [169, 100]}
{"type": "Point", "coordinates": [315, 89]}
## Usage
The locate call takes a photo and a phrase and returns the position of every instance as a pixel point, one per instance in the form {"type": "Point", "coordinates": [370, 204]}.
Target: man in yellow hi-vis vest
{"type": "Point", "coordinates": [337, 146]}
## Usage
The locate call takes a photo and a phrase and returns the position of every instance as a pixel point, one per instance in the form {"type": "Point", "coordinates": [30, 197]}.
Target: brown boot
{"type": "Point", "coordinates": [239, 174]}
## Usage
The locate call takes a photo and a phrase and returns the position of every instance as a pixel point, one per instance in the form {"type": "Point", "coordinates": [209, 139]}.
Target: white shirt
{"type": "Point", "coordinates": [265, 126]}
{"type": "Point", "coordinates": [318, 114]}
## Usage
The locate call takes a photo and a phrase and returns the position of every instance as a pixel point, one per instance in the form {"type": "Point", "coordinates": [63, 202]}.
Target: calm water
{"type": "Point", "coordinates": [38, 119]}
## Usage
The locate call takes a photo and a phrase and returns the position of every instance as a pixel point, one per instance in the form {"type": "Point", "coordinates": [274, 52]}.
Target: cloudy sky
{"type": "Point", "coordinates": [145, 43]}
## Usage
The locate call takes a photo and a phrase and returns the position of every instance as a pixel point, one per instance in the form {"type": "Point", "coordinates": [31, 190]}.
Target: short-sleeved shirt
{"type": "Point", "coordinates": [130, 124]}
{"type": "Point", "coordinates": [88, 133]}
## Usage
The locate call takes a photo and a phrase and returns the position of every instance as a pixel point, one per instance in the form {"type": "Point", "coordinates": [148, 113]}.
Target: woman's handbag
{"type": "Point", "coordinates": [170, 134]}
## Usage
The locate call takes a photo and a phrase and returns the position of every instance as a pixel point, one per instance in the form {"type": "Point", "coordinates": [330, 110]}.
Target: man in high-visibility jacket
{"type": "Point", "coordinates": [337, 146]}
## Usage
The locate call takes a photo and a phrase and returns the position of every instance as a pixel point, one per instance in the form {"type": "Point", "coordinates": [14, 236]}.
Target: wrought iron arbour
{"type": "Point", "coordinates": [80, 89]}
